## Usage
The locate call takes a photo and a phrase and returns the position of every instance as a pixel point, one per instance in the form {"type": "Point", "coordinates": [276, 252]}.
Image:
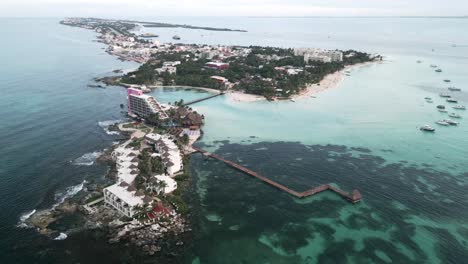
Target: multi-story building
{"type": "Point", "coordinates": [319, 55]}
{"type": "Point", "coordinates": [123, 195]}
{"type": "Point", "coordinates": [170, 153]}
{"type": "Point", "coordinates": [143, 105]}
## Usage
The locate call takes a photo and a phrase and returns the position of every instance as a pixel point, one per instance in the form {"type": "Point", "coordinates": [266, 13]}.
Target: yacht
{"type": "Point", "coordinates": [455, 115]}
{"type": "Point", "coordinates": [442, 110]}
{"type": "Point", "coordinates": [438, 70]}
{"type": "Point", "coordinates": [451, 100]}
{"type": "Point", "coordinates": [454, 89]}
{"type": "Point", "coordinates": [427, 128]}
{"type": "Point", "coordinates": [445, 95]}
{"type": "Point", "coordinates": [451, 122]}
{"type": "Point", "coordinates": [459, 107]}
{"type": "Point", "coordinates": [443, 123]}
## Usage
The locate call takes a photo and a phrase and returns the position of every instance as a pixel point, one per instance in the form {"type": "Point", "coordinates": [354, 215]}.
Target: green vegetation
{"type": "Point", "coordinates": [261, 72]}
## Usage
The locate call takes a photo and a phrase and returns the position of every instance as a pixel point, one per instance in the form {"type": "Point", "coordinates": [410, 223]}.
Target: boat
{"type": "Point", "coordinates": [427, 128]}
{"type": "Point", "coordinates": [459, 107]}
{"type": "Point", "coordinates": [427, 98]}
{"type": "Point", "coordinates": [451, 100]}
{"type": "Point", "coordinates": [176, 37]}
{"type": "Point", "coordinates": [455, 115]}
{"type": "Point", "coordinates": [292, 100]}
{"type": "Point", "coordinates": [442, 123]}
{"type": "Point", "coordinates": [445, 95]}
{"type": "Point", "coordinates": [446, 80]}
{"type": "Point", "coordinates": [438, 70]}
{"type": "Point", "coordinates": [433, 66]}
{"type": "Point", "coordinates": [454, 89]}
{"type": "Point", "coordinates": [451, 122]}
{"type": "Point", "coordinates": [418, 61]}
{"type": "Point", "coordinates": [442, 110]}
{"type": "Point", "coordinates": [441, 106]}
{"type": "Point", "coordinates": [149, 35]}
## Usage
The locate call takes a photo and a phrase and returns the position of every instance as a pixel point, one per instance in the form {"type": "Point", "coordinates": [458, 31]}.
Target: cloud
{"type": "Point", "coordinates": [154, 8]}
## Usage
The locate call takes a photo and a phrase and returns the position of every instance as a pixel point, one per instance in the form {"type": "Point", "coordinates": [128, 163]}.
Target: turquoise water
{"type": "Point", "coordinates": [362, 134]}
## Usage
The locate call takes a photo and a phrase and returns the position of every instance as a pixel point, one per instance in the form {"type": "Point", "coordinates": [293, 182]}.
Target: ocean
{"type": "Point", "coordinates": [362, 134]}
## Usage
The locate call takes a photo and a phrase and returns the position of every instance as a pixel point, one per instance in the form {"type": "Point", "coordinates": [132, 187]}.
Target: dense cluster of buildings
{"type": "Point", "coordinates": [123, 196]}
{"type": "Point", "coordinates": [168, 151]}
{"type": "Point", "coordinates": [319, 55]}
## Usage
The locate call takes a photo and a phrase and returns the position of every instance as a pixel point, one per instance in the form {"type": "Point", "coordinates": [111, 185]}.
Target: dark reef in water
{"type": "Point", "coordinates": [289, 224]}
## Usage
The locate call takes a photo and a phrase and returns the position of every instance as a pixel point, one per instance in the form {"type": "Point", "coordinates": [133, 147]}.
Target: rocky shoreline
{"type": "Point", "coordinates": [168, 233]}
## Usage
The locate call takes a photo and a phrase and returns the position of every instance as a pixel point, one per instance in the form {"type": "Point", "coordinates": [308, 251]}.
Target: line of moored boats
{"type": "Point", "coordinates": [442, 108]}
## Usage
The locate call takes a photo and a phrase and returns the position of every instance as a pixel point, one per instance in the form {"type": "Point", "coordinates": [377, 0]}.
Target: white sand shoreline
{"type": "Point", "coordinates": [329, 81]}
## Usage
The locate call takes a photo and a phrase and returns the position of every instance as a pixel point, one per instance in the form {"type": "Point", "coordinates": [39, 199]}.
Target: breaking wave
{"type": "Point", "coordinates": [69, 192]}
{"type": "Point", "coordinates": [61, 236]}
{"type": "Point", "coordinates": [87, 159]}
{"type": "Point", "coordinates": [24, 217]}
{"type": "Point", "coordinates": [105, 125]}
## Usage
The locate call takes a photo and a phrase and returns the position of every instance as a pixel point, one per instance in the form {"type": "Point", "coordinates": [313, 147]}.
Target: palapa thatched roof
{"type": "Point", "coordinates": [153, 180]}
{"type": "Point", "coordinates": [140, 193]}
{"type": "Point", "coordinates": [147, 199]}
{"type": "Point", "coordinates": [132, 154]}
{"type": "Point", "coordinates": [135, 159]}
{"type": "Point", "coordinates": [123, 184]}
{"type": "Point", "coordinates": [134, 172]}
{"type": "Point", "coordinates": [131, 188]}
{"type": "Point", "coordinates": [133, 166]}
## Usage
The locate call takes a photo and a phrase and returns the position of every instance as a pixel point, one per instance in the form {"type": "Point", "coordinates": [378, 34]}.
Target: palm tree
{"type": "Point", "coordinates": [162, 185]}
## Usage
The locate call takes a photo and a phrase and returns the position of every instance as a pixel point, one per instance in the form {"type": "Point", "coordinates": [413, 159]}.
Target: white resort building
{"type": "Point", "coordinates": [123, 196]}
{"type": "Point", "coordinates": [319, 55]}
{"type": "Point", "coordinates": [169, 151]}
{"type": "Point", "coordinates": [143, 105]}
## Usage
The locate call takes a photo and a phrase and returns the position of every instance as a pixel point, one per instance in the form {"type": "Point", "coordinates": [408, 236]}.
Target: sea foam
{"type": "Point", "coordinates": [106, 124]}
{"type": "Point", "coordinates": [87, 159]}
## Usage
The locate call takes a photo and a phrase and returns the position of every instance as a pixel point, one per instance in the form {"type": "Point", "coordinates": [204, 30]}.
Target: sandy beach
{"type": "Point", "coordinates": [330, 81]}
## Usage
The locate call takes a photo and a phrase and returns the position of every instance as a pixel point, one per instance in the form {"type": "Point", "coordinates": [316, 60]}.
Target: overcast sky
{"type": "Point", "coordinates": [154, 8]}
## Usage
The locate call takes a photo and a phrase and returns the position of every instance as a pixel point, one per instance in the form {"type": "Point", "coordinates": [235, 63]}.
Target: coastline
{"type": "Point", "coordinates": [330, 81]}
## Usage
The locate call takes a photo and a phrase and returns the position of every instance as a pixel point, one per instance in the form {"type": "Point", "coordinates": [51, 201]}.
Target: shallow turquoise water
{"type": "Point", "coordinates": [362, 134]}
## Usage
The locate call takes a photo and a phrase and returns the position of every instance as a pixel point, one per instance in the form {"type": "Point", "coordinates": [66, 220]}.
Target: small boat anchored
{"type": "Point", "coordinates": [459, 107]}
{"type": "Point", "coordinates": [451, 122]}
{"type": "Point", "coordinates": [433, 66]}
{"type": "Point", "coordinates": [438, 70]}
{"type": "Point", "coordinates": [445, 95]}
{"type": "Point", "coordinates": [443, 123]}
{"type": "Point", "coordinates": [451, 100]}
{"type": "Point", "coordinates": [454, 115]}
{"type": "Point", "coordinates": [454, 89]}
{"type": "Point", "coordinates": [176, 37]}
{"type": "Point", "coordinates": [427, 128]}
{"type": "Point", "coordinates": [447, 80]}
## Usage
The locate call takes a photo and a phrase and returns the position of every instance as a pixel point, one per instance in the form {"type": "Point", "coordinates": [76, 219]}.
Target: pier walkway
{"type": "Point", "coordinates": [203, 99]}
{"type": "Point", "coordinates": [353, 197]}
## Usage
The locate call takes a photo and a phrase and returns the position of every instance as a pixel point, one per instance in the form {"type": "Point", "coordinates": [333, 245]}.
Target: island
{"type": "Point", "coordinates": [141, 202]}
{"type": "Point", "coordinates": [269, 72]}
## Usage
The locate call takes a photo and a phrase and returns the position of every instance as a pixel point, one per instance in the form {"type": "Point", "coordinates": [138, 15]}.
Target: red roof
{"type": "Point", "coordinates": [159, 208]}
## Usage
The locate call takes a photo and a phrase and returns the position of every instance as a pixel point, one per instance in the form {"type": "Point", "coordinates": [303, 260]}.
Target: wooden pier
{"type": "Point", "coordinates": [353, 197]}
{"type": "Point", "coordinates": [203, 99]}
